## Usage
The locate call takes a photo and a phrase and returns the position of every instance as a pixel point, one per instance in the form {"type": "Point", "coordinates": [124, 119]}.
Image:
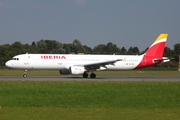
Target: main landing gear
{"type": "Point", "coordinates": [25, 74]}
{"type": "Point", "coordinates": [92, 75]}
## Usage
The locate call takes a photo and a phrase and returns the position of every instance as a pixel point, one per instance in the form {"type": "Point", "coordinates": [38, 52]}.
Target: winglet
{"type": "Point", "coordinates": [157, 48]}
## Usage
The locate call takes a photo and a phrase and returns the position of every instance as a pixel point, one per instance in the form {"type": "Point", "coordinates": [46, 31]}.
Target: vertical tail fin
{"type": "Point", "coordinates": [157, 48]}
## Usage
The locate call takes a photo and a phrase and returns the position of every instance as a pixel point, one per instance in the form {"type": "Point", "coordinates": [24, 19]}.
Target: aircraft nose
{"type": "Point", "coordinates": [8, 64]}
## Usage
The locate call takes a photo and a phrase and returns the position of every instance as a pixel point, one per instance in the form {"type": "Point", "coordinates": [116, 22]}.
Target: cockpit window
{"type": "Point", "coordinates": [14, 58]}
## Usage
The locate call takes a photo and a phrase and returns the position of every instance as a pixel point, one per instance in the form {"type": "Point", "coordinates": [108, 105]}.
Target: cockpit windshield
{"type": "Point", "coordinates": [14, 58]}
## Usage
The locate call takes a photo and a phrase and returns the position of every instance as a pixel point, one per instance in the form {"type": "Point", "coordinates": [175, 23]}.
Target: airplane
{"type": "Point", "coordinates": [77, 64]}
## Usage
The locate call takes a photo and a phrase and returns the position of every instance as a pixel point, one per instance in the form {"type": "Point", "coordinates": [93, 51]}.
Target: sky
{"type": "Point", "coordinates": [125, 23]}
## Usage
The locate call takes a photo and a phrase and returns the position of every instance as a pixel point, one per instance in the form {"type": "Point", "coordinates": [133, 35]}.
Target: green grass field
{"type": "Point", "coordinates": [89, 100]}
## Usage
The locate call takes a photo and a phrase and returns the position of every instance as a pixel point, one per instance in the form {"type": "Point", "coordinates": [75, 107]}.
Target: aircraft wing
{"type": "Point", "coordinates": [97, 65]}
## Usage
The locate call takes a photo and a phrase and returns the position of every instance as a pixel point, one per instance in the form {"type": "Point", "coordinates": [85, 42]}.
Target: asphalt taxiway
{"type": "Point", "coordinates": [98, 78]}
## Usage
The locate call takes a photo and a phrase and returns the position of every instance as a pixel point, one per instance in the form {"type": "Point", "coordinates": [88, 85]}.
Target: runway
{"type": "Point", "coordinates": [98, 78]}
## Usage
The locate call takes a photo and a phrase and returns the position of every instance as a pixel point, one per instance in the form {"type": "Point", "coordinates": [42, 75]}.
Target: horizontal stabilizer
{"type": "Point", "coordinates": [163, 60]}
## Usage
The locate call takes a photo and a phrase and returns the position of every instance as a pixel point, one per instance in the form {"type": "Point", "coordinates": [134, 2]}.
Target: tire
{"type": "Point", "coordinates": [24, 75]}
{"type": "Point", "coordinates": [93, 75]}
{"type": "Point", "coordinates": [85, 75]}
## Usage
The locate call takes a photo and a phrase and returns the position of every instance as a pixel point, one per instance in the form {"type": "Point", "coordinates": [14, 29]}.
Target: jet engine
{"type": "Point", "coordinates": [75, 70]}
{"type": "Point", "coordinates": [64, 72]}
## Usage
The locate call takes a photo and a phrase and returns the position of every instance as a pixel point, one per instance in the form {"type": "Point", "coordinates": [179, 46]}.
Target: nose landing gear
{"type": "Point", "coordinates": [25, 74]}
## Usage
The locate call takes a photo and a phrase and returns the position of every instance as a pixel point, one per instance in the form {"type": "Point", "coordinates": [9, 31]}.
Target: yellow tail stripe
{"type": "Point", "coordinates": [161, 36]}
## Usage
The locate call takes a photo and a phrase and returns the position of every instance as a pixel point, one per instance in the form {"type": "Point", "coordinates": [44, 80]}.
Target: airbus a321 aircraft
{"type": "Point", "coordinates": [82, 64]}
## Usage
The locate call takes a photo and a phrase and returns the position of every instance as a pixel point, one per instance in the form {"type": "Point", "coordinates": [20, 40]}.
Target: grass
{"type": "Point", "coordinates": [7, 72]}
{"type": "Point", "coordinates": [89, 100]}
{"type": "Point", "coordinates": [88, 114]}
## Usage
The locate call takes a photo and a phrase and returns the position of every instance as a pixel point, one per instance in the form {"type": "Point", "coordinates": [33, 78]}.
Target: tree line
{"type": "Point", "coordinates": [42, 46]}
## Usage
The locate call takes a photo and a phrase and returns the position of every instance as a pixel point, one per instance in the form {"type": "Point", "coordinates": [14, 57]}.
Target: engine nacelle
{"type": "Point", "coordinates": [75, 70]}
{"type": "Point", "coordinates": [64, 72]}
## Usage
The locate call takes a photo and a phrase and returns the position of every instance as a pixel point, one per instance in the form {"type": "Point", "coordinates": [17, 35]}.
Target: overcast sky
{"type": "Point", "coordinates": [123, 22]}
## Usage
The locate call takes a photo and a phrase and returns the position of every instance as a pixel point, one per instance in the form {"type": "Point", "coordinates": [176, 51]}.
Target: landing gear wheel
{"type": "Point", "coordinates": [85, 75]}
{"type": "Point", "coordinates": [24, 75]}
{"type": "Point", "coordinates": [93, 75]}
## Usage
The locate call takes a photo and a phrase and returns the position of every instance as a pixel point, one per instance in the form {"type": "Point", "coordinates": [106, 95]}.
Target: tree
{"type": "Point", "coordinates": [112, 49]}
{"type": "Point", "coordinates": [99, 49]}
{"type": "Point", "coordinates": [176, 51]}
{"type": "Point", "coordinates": [123, 51]}
{"type": "Point", "coordinates": [17, 48]}
{"type": "Point", "coordinates": [59, 48]}
{"type": "Point", "coordinates": [88, 50]}
{"type": "Point", "coordinates": [4, 53]}
{"type": "Point", "coordinates": [130, 51]}
{"type": "Point", "coordinates": [42, 47]}
{"type": "Point", "coordinates": [77, 47]}
{"type": "Point", "coordinates": [135, 50]}
{"type": "Point", "coordinates": [168, 52]}
{"type": "Point", "coordinates": [27, 48]}
{"type": "Point", "coordinates": [33, 48]}
{"type": "Point", "coordinates": [67, 48]}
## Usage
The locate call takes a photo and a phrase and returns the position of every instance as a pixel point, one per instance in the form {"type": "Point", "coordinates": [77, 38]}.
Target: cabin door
{"type": "Point", "coordinates": [26, 59]}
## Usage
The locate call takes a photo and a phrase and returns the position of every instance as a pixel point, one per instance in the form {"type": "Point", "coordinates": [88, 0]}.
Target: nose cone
{"type": "Point", "coordinates": [8, 64]}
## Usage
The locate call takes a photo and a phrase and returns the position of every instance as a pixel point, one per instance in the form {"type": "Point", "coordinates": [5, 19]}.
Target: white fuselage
{"type": "Point", "coordinates": [63, 61]}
